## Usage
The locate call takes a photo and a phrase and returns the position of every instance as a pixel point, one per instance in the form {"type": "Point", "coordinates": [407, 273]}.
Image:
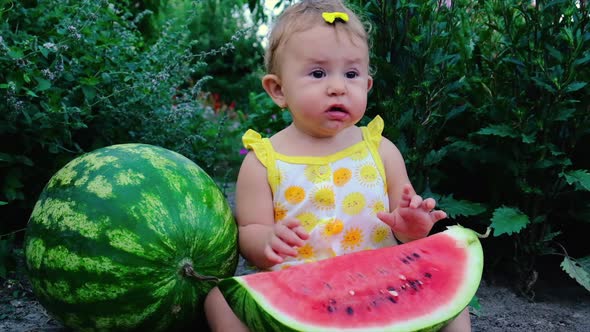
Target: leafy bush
{"type": "Point", "coordinates": [79, 75]}
{"type": "Point", "coordinates": [488, 101]}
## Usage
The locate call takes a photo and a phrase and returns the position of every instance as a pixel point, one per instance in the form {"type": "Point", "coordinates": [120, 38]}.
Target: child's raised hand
{"type": "Point", "coordinates": [414, 217]}
{"type": "Point", "coordinates": [286, 235]}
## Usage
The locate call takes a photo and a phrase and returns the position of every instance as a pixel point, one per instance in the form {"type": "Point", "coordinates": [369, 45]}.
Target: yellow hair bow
{"type": "Point", "coordinates": [330, 17]}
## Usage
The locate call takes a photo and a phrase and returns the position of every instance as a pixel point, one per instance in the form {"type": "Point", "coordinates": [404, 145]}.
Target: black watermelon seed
{"type": "Point", "coordinates": [331, 308]}
{"type": "Point", "coordinates": [405, 261]}
{"type": "Point", "coordinates": [332, 301]}
{"type": "Point", "coordinates": [392, 299]}
{"type": "Point", "coordinates": [409, 258]}
{"type": "Point", "coordinates": [391, 289]}
{"type": "Point", "coordinates": [413, 284]}
{"type": "Point", "coordinates": [349, 310]}
{"type": "Point", "coordinates": [416, 255]}
{"type": "Point", "coordinates": [428, 275]}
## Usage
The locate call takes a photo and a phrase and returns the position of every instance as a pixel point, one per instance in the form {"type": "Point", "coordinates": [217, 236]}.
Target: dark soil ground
{"type": "Point", "coordinates": [560, 305]}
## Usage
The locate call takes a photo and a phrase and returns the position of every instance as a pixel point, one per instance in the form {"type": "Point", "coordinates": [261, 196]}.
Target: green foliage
{"type": "Point", "coordinates": [578, 177]}
{"type": "Point", "coordinates": [456, 207]}
{"type": "Point", "coordinates": [474, 304]}
{"type": "Point", "coordinates": [264, 115]}
{"type": "Point", "coordinates": [508, 220]}
{"type": "Point", "coordinates": [79, 75]}
{"type": "Point", "coordinates": [487, 101]}
{"type": "Point", "coordinates": [579, 270]}
{"type": "Point", "coordinates": [235, 51]}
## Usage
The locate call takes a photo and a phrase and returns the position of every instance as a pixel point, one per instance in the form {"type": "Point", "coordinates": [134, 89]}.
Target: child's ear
{"type": "Point", "coordinates": [370, 83]}
{"type": "Point", "coordinates": [272, 85]}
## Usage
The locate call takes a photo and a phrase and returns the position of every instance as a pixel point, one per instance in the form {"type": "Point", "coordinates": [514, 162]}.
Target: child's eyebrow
{"type": "Point", "coordinates": [322, 61]}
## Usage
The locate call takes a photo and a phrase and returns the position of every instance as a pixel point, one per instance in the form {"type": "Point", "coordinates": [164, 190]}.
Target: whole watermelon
{"type": "Point", "coordinates": [129, 237]}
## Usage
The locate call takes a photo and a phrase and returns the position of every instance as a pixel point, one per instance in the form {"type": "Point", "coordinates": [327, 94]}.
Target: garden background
{"type": "Point", "coordinates": [488, 101]}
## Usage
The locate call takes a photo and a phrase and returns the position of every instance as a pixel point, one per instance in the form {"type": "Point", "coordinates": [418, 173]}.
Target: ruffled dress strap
{"type": "Point", "coordinates": [265, 153]}
{"type": "Point", "coordinates": [372, 134]}
{"type": "Point", "coordinates": [252, 140]}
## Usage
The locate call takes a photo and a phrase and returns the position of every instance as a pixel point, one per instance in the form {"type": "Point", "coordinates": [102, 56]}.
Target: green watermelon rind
{"type": "Point", "coordinates": [101, 250]}
{"type": "Point", "coordinates": [253, 309]}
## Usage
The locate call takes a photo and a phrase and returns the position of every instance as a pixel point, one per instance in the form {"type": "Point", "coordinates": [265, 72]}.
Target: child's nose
{"type": "Point", "coordinates": [336, 86]}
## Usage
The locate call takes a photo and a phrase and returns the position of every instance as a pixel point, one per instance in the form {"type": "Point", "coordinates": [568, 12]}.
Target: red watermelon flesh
{"type": "Point", "coordinates": [415, 286]}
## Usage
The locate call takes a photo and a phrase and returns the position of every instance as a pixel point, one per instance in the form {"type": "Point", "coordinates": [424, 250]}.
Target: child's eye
{"type": "Point", "coordinates": [352, 74]}
{"type": "Point", "coordinates": [318, 73]}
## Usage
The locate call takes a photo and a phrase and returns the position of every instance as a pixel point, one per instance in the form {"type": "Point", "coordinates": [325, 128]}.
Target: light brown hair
{"type": "Point", "coordinates": [305, 15]}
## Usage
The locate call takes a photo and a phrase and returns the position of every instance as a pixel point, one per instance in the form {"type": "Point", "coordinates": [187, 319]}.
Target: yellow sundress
{"type": "Point", "coordinates": [335, 197]}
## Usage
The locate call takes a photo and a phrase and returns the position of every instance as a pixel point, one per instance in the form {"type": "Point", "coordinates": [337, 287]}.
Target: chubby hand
{"type": "Point", "coordinates": [414, 217]}
{"type": "Point", "coordinates": [286, 235]}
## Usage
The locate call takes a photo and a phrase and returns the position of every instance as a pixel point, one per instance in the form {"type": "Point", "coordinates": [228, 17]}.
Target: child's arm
{"type": "Point", "coordinates": [411, 217]}
{"type": "Point", "coordinates": [262, 242]}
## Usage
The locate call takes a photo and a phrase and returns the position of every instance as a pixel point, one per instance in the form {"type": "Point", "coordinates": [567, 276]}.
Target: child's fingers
{"type": "Point", "coordinates": [301, 232]}
{"type": "Point", "coordinates": [428, 204]}
{"type": "Point", "coordinates": [290, 222]}
{"type": "Point", "coordinates": [416, 201]}
{"type": "Point", "coordinates": [272, 256]}
{"type": "Point", "coordinates": [288, 236]}
{"type": "Point", "coordinates": [295, 226]}
{"type": "Point", "coordinates": [282, 248]}
{"type": "Point", "coordinates": [407, 190]}
{"type": "Point", "coordinates": [438, 215]}
{"type": "Point", "coordinates": [387, 218]}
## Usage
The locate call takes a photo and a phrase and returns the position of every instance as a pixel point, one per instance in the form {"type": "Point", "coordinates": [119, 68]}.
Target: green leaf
{"type": "Point", "coordinates": [44, 52]}
{"type": "Point", "coordinates": [16, 53]}
{"type": "Point", "coordinates": [42, 84]}
{"type": "Point", "coordinates": [91, 80]}
{"type": "Point", "coordinates": [528, 139]}
{"type": "Point", "coordinates": [3, 203]}
{"type": "Point", "coordinates": [514, 61]}
{"type": "Point", "coordinates": [501, 130]}
{"type": "Point", "coordinates": [579, 176]}
{"type": "Point", "coordinates": [434, 157]}
{"type": "Point", "coordinates": [540, 219]}
{"type": "Point", "coordinates": [6, 157]}
{"type": "Point", "coordinates": [575, 86]}
{"type": "Point", "coordinates": [564, 114]}
{"type": "Point", "coordinates": [578, 272]}
{"type": "Point", "coordinates": [454, 207]}
{"type": "Point", "coordinates": [456, 111]}
{"type": "Point", "coordinates": [30, 93]}
{"type": "Point", "coordinates": [508, 220]}
{"type": "Point", "coordinates": [463, 145]}
{"type": "Point", "coordinates": [550, 236]}
{"type": "Point", "coordinates": [554, 53]}
{"type": "Point", "coordinates": [89, 92]}
{"type": "Point", "coordinates": [584, 262]}
{"type": "Point", "coordinates": [543, 85]}
{"type": "Point", "coordinates": [474, 303]}
{"type": "Point", "coordinates": [582, 61]}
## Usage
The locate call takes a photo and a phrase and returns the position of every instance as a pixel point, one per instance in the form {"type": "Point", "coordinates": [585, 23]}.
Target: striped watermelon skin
{"type": "Point", "coordinates": [115, 237]}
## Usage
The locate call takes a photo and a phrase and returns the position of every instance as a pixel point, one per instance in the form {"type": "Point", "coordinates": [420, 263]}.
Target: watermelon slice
{"type": "Point", "coordinates": [415, 286]}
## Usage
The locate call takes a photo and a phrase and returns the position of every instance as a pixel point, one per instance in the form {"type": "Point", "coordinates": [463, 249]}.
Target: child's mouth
{"type": "Point", "coordinates": [337, 112]}
{"type": "Point", "coordinates": [337, 109]}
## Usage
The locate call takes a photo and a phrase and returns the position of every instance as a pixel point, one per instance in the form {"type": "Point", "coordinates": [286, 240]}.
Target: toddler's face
{"type": "Point", "coordinates": [325, 80]}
